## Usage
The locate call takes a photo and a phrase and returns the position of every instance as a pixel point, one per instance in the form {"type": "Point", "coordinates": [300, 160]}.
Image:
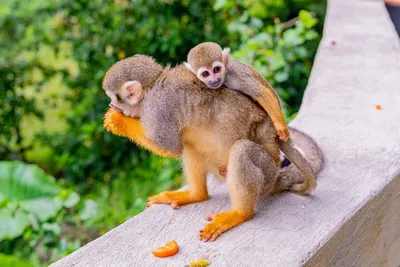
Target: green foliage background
{"type": "Point", "coordinates": [53, 55]}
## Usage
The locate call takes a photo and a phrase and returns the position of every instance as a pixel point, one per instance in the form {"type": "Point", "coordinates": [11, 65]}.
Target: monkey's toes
{"type": "Point", "coordinates": [162, 198]}
{"type": "Point", "coordinates": [174, 198]}
{"type": "Point", "coordinates": [211, 232]}
{"type": "Point", "coordinates": [222, 222]}
{"type": "Point", "coordinates": [175, 206]}
{"type": "Point", "coordinates": [210, 216]}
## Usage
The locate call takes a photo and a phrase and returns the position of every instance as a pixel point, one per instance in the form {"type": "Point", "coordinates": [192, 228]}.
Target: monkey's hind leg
{"type": "Point", "coordinates": [195, 171]}
{"type": "Point", "coordinates": [251, 171]}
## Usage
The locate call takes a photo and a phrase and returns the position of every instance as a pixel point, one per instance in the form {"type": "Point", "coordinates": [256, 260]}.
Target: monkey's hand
{"type": "Point", "coordinates": [282, 131]}
{"type": "Point", "coordinates": [222, 222]}
{"type": "Point", "coordinates": [176, 198]}
{"type": "Point", "coordinates": [121, 125]}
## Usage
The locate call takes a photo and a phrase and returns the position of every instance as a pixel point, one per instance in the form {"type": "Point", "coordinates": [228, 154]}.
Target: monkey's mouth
{"type": "Point", "coordinates": [116, 108]}
{"type": "Point", "coordinates": [215, 85]}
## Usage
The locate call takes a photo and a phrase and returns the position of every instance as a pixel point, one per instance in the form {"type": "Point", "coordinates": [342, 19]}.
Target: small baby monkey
{"type": "Point", "coordinates": [212, 66]}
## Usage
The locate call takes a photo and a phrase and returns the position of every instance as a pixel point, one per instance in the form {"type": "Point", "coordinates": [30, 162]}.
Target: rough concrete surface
{"type": "Point", "coordinates": [353, 218]}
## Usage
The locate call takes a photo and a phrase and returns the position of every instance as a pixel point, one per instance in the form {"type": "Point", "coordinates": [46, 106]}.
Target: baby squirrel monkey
{"type": "Point", "coordinates": [212, 66]}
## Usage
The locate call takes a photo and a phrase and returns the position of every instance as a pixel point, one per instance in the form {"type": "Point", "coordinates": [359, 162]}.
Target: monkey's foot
{"type": "Point", "coordinates": [176, 198]}
{"type": "Point", "coordinates": [222, 222]}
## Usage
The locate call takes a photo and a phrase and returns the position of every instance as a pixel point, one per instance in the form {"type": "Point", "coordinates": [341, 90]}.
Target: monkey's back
{"type": "Point", "coordinates": [211, 120]}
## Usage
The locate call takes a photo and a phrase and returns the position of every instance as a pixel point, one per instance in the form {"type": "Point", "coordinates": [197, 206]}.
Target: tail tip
{"type": "Point", "coordinates": [304, 188]}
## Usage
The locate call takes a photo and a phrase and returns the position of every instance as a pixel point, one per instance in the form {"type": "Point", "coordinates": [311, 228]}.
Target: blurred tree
{"type": "Point", "coordinates": [61, 50]}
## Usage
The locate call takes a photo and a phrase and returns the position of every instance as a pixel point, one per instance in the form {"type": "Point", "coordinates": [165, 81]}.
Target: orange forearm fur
{"type": "Point", "coordinates": [121, 125]}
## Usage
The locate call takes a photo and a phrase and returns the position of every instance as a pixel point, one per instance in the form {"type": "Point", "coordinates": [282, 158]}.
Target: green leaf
{"type": "Point", "coordinates": [89, 210]}
{"type": "Point", "coordinates": [71, 200]}
{"type": "Point", "coordinates": [310, 35]}
{"type": "Point", "coordinates": [12, 224]}
{"type": "Point", "coordinates": [43, 208]}
{"type": "Point", "coordinates": [52, 227]}
{"type": "Point", "coordinates": [12, 261]}
{"type": "Point", "coordinates": [276, 62]}
{"type": "Point", "coordinates": [301, 52]}
{"type": "Point", "coordinates": [20, 181]}
{"type": "Point", "coordinates": [292, 37]}
{"type": "Point", "coordinates": [219, 4]}
{"type": "Point", "coordinates": [3, 201]}
{"type": "Point", "coordinates": [281, 76]}
{"type": "Point", "coordinates": [307, 19]}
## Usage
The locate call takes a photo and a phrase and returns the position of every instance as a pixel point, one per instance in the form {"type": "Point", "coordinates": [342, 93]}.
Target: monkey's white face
{"type": "Point", "coordinates": [213, 77]}
{"type": "Point", "coordinates": [128, 98]}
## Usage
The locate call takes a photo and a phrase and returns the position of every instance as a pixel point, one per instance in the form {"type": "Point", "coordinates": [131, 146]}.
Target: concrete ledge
{"type": "Point", "coordinates": [353, 219]}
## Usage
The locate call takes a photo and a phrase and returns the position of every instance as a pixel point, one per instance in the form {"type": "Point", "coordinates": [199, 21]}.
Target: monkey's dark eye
{"type": "Point", "coordinates": [118, 97]}
{"type": "Point", "coordinates": [205, 74]}
{"type": "Point", "coordinates": [217, 69]}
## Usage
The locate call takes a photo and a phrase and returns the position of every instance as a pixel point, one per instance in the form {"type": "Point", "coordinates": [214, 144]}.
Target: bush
{"type": "Point", "coordinates": [282, 54]}
{"type": "Point", "coordinates": [37, 214]}
{"type": "Point", "coordinates": [57, 54]}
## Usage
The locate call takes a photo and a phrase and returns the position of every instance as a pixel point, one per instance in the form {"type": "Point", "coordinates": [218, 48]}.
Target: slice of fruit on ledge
{"type": "Point", "coordinates": [170, 249]}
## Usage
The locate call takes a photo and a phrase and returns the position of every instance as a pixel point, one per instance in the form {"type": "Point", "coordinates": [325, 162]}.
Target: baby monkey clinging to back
{"type": "Point", "coordinates": [212, 66]}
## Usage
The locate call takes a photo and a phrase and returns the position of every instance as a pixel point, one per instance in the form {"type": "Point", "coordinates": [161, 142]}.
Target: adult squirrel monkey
{"type": "Point", "coordinates": [212, 66]}
{"type": "Point", "coordinates": [211, 129]}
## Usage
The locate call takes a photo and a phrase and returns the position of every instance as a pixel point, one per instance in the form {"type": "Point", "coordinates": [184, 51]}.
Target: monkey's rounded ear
{"type": "Point", "coordinates": [187, 65]}
{"type": "Point", "coordinates": [130, 86]}
{"type": "Point", "coordinates": [132, 92]}
{"type": "Point", "coordinates": [225, 56]}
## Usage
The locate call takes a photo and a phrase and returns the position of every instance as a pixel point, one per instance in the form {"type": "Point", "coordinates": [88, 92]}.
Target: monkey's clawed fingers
{"type": "Point", "coordinates": [222, 223]}
{"type": "Point", "coordinates": [175, 198]}
{"type": "Point", "coordinates": [111, 120]}
{"type": "Point", "coordinates": [283, 133]}
{"type": "Point", "coordinates": [210, 216]}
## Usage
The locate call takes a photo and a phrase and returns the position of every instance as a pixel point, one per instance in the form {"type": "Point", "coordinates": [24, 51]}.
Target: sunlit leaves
{"type": "Point", "coordinates": [88, 210]}
{"type": "Point", "coordinates": [12, 223]}
{"type": "Point", "coordinates": [308, 20]}
{"type": "Point", "coordinates": [281, 54]}
{"type": "Point", "coordinates": [13, 261]}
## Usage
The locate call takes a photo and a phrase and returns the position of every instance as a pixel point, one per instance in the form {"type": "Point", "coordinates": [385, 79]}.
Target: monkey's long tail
{"type": "Point", "coordinates": [307, 160]}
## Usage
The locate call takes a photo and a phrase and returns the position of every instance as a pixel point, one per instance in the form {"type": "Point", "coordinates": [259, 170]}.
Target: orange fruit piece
{"type": "Point", "coordinates": [378, 107]}
{"type": "Point", "coordinates": [170, 249]}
